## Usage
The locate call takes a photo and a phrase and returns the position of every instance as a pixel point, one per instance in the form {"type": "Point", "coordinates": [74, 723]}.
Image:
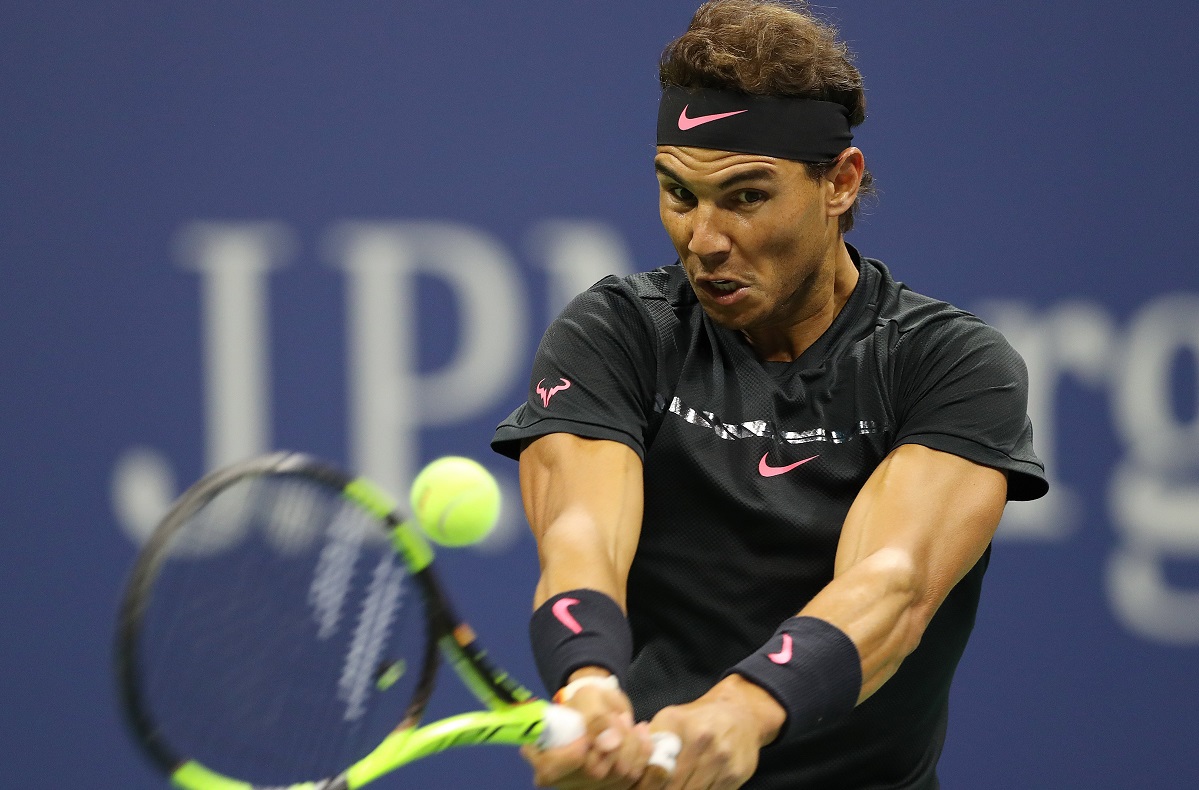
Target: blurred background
{"type": "Point", "coordinates": [229, 227]}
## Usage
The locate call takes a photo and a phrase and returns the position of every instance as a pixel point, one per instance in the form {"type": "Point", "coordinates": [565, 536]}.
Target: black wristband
{"type": "Point", "coordinates": [811, 668]}
{"type": "Point", "coordinates": [579, 628]}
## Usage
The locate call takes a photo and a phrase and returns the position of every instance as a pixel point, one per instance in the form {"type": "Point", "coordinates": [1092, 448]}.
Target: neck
{"type": "Point", "coordinates": [823, 299]}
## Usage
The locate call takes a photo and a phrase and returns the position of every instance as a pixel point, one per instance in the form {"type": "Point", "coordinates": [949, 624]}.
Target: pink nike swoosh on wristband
{"type": "Point", "coordinates": [561, 610]}
{"type": "Point", "coordinates": [784, 655]}
{"type": "Point", "coordinates": [686, 123]}
{"type": "Point", "coordinates": [766, 470]}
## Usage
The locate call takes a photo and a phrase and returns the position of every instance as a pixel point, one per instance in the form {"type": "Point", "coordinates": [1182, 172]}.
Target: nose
{"type": "Point", "coordinates": [708, 239]}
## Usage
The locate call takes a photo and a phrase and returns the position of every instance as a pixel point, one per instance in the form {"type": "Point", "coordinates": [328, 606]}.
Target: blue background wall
{"type": "Point", "coordinates": [464, 167]}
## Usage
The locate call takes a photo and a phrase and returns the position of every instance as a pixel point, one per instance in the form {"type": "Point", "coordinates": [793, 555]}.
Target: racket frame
{"type": "Point", "coordinates": [514, 717]}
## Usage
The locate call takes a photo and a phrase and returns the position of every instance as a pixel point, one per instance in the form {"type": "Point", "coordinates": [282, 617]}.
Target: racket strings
{"type": "Point", "coordinates": [282, 638]}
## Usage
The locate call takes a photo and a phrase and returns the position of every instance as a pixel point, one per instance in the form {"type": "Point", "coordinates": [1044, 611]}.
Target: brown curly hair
{"type": "Point", "coordinates": [769, 48]}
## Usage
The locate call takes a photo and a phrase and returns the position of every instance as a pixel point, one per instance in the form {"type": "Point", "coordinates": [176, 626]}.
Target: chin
{"type": "Point", "coordinates": [734, 320]}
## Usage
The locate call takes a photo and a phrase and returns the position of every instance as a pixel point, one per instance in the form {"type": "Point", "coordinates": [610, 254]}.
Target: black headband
{"type": "Point", "coordinates": [805, 130]}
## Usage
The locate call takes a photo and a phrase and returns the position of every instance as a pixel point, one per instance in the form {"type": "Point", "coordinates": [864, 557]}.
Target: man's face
{"type": "Point", "coordinates": [753, 233]}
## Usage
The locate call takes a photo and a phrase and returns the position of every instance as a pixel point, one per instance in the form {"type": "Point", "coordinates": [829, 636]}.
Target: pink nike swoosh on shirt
{"type": "Point", "coordinates": [561, 610]}
{"type": "Point", "coordinates": [783, 655]}
{"type": "Point", "coordinates": [686, 123]}
{"type": "Point", "coordinates": [766, 470]}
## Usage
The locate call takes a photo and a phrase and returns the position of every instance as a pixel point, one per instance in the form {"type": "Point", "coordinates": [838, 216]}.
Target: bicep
{"type": "Point", "coordinates": [583, 500]}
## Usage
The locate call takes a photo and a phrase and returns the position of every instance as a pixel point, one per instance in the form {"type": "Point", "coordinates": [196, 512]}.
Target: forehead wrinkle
{"type": "Point", "coordinates": [757, 172]}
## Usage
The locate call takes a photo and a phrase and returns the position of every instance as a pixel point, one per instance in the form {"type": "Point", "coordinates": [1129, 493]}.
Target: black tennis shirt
{"type": "Point", "coordinates": [750, 470]}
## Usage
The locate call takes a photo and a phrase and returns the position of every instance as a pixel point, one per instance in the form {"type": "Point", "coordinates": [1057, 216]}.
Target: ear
{"type": "Point", "coordinates": [845, 177]}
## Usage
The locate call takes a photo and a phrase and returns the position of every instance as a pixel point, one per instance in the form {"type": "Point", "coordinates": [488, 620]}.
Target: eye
{"type": "Point", "coordinates": [749, 197]}
{"type": "Point", "coordinates": [681, 194]}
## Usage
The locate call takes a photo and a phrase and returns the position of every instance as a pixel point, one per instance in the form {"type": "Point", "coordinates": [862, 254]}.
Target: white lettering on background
{"type": "Point", "coordinates": [1075, 339]}
{"type": "Point", "coordinates": [1154, 494]}
{"type": "Point", "coordinates": [389, 400]}
{"type": "Point", "coordinates": [233, 261]}
{"type": "Point", "coordinates": [576, 255]}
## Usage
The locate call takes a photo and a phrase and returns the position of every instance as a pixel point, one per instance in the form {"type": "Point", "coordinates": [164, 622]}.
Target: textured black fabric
{"type": "Point", "coordinates": [589, 629]}
{"type": "Point", "coordinates": [726, 554]}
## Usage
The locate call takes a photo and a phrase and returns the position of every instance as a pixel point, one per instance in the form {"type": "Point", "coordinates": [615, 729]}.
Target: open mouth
{"type": "Point", "coordinates": [722, 291]}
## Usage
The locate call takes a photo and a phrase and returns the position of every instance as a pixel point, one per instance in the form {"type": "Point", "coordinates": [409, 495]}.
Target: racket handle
{"type": "Point", "coordinates": [565, 725]}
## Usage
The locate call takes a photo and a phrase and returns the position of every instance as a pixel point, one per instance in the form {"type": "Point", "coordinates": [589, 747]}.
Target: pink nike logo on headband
{"type": "Point", "coordinates": [561, 610]}
{"type": "Point", "coordinates": [686, 123]}
{"type": "Point", "coordinates": [766, 470]}
{"type": "Point", "coordinates": [784, 655]}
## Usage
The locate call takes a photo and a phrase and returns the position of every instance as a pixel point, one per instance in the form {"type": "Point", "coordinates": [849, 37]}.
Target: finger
{"type": "Point", "coordinates": [601, 708]}
{"type": "Point", "coordinates": [551, 766]}
{"type": "Point", "coordinates": [605, 753]}
{"type": "Point", "coordinates": [664, 751]}
{"type": "Point", "coordinates": [634, 753]}
{"type": "Point", "coordinates": [615, 745]}
{"type": "Point", "coordinates": [680, 779]}
{"type": "Point", "coordinates": [714, 768]}
{"type": "Point", "coordinates": [598, 766]}
{"type": "Point", "coordinates": [675, 751]}
{"type": "Point", "coordinates": [657, 777]}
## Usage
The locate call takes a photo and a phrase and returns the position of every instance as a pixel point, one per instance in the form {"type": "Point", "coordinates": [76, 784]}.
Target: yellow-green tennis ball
{"type": "Point", "coordinates": [455, 500]}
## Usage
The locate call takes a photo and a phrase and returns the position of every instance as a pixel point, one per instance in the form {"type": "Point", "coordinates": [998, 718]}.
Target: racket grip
{"type": "Point", "coordinates": [565, 725]}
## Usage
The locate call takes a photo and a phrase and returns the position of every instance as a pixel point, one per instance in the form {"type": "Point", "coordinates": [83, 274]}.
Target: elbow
{"type": "Point", "coordinates": [899, 584]}
{"type": "Point", "coordinates": [884, 604]}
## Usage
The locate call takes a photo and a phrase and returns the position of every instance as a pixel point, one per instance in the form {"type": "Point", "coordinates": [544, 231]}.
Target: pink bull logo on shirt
{"type": "Point", "coordinates": [547, 394]}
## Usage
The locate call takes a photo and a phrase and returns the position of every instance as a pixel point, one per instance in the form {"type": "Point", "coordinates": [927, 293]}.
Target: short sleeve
{"type": "Point", "coordinates": [963, 389]}
{"type": "Point", "coordinates": [592, 376]}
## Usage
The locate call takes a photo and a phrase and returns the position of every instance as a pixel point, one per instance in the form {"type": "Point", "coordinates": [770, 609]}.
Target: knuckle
{"type": "Point", "coordinates": [703, 740]}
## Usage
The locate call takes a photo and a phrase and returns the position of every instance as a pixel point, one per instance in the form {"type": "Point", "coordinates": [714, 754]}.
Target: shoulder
{"type": "Point", "coordinates": [641, 299]}
{"type": "Point", "coordinates": [909, 310]}
{"type": "Point", "coordinates": [958, 386]}
{"type": "Point", "coordinates": [922, 326]}
{"type": "Point", "coordinates": [665, 284]}
{"type": "Point", "coordinates": [634, 311]}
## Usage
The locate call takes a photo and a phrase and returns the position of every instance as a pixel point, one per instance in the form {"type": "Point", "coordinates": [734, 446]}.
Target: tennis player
{"type": "Point", "coordinates": [763, 480]}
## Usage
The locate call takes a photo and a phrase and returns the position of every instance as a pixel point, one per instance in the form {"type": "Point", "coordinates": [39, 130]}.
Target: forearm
{"type": "Point", "coordinates": [574, 552]}
{"type": "Point", "coordinates": [878, 604]}
{"type": "Point", "coordinates": [917, 527]}
{"type": "Point", "coordinates": [583, 500]}
{"type": "Point", "coordinates": [809, 673]}
{"type": "Point", "coordinates": [921, 522]}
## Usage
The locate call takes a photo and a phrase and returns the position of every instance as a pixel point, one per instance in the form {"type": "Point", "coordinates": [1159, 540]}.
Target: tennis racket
{"type": "Point", "coordinates": [282, 629]}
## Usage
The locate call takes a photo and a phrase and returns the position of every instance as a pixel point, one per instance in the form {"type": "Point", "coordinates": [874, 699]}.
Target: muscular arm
{"type": "Point", "coordinates": [921, 522]}
{"type": "Point", "coordinates": [583, 500]}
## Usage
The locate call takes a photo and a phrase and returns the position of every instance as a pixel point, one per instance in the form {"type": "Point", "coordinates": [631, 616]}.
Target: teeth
{"type": "Point", "coordinates": [724, 285]}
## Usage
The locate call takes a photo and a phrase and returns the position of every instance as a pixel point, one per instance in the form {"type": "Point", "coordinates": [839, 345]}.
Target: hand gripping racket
{"type": "Point", "coordinates": [282, 630]}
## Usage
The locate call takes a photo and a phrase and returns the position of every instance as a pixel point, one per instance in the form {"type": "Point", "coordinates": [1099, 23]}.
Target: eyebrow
{"type": "Point", "coordinates": [746, 175]}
